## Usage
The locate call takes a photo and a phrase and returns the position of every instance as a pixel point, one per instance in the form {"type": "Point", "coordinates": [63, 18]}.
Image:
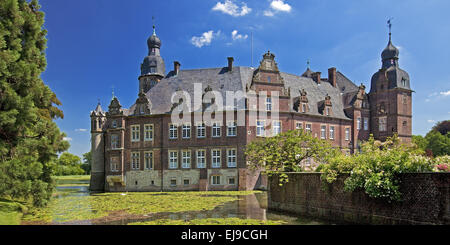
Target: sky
{"type": "Point", "coordinates": [97, 46]}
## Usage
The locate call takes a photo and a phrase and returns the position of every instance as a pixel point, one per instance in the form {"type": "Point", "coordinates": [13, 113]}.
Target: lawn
{"type": "Point", "coordinates": [10, 212]}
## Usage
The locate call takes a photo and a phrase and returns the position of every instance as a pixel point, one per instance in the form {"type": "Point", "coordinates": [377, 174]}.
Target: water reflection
{"type": "Point", "coordinates": [253, 206]}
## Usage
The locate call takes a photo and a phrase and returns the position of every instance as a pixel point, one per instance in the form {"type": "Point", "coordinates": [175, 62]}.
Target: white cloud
{"type": "Point", "coordinates": [268, 13]}
{"type": "Point", "coordinates": [236, 36]}
{"type": "Point", "coordinates": [205, 39]}
{"type": "Point", "coordinates": [67, 139]}
{"type": "Point", "coordinates": [431, 121]}
{"type": "Point", "coordinates": [445, 93]}
{"type": "Point", "coordinates": [229, 7]}
{"type": "Point", "coordinates": [81, 130]}
{"type": "Point", "coordinates": [279, 5]}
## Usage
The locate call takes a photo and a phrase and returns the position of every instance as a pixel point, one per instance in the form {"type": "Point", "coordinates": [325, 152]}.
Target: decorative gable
{"type": "Point", "coordinates": [114, 107]}
{"type": "Point", "coordinates": [143, 105]}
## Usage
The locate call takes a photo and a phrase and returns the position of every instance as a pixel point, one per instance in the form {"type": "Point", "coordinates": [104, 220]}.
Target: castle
{"type": "Point", "coordinates": [142, 149]}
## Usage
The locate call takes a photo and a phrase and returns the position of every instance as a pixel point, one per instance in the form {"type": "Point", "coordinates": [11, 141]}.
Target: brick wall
{"type": "Point", "coordinates": [426, 200]}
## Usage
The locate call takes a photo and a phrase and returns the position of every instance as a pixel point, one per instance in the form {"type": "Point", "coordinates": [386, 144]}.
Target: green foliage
{"type": "Point", "coordinates": [68, 164]}
{"type": "Point", "coordinates": [211, 221]}
{"type": "Point", "coordinates": [375, 168]}
{"type": "Point", "coordinates": [29, 138]}
{"type": "Point", "coordinates": [87, 162]}
{"type": "Point", "coordinates": [285, 152]}
{"type": "Point", "coordinates": [437, 140]}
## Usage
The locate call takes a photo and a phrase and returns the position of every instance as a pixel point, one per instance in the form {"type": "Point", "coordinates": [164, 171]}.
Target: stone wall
{"type": "Point", "coordinates": [426, 200]}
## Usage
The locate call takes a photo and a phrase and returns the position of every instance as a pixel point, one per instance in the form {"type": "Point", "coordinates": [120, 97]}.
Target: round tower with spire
{"type": "Point", "coordinates": [391, 97]}
{"type": "Point", "coordinates": [98, 121]}
{"type": "Point", "coordinates": [153, 67]}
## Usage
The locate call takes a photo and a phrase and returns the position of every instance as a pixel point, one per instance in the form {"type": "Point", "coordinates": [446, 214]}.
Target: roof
{"type": "Point", "coordinates": [219, 79]}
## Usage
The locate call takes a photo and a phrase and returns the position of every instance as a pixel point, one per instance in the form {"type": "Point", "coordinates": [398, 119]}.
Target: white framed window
{"type": "Point", "coordinates": [304, 108]}
{"type": "Point", "coordinates": [231, 158]}
{"type": "Point", "coordinates": [347, 134]}
{"type": "Point", "coordinates": [114, 123]}
{"type": "Point", "coordinates": [366, 123]}
{"type": "Point", "coordinates": [298, 125]}
{"type": "Point", "coordinates": [216, 129]}
{"type": "Point", "coordinates": [201, 130]}
{"type": "Point", "coordinates": [173, 182]}
{"type": "Point", "coordinates": [215, 180]}
{"type": "Point", "coordinates": [328, 111]}
{"type": "Point", "coordinates": [276, 127]}
{"type": "Point", "coordinates": [114, 164]}
{"type": "Point", "coordinates": [323, 132]}
{"type": "Point", "coordinates": [201, 158]}
{"type": "Point", "coordinates": [232, 180]}
{"type": "Point", "coordinates": [186, 131]}
{"type": "Point", "coordinates": [260, 131]}
{"type": "Point", "coordinates": [148, 132]}
{"type": "Point", "coordinates": [173, 159]}
{"type": "Point", "coordinates": [215, 158]}
{"type": "Point", "coordinates": [331, 132]}
{"type": "Point", "coordinates": [135, 157]}
{"type": "Point", "coordinates": [231, 128]}
{"type": "Point", "coordinates": [173, 131]}
{"type": "Point", "coordinates": [308, 128]}
{"type": "Point", "coordinates": [269, 104]}
{"type": "Point", "coordinates": [186, 159]}
{"type": "Point", "coordinates": [115, 141]}
{"type": "Point", "coordinates": [382, 124]}
{"type": "Point", "coordinates": [135, 133]}
{"type": "Point", "coordinates": [148, 159]}
{"type": "Point", "coordinates": [358, 123]}
{"type": "Point", "coordinates": [186, 182]}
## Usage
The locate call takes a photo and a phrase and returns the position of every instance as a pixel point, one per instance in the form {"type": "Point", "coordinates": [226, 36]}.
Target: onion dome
{"type": "Point", "coordinates": [153, 41]}
{"type": "Point", "coordinates": [390, 52]}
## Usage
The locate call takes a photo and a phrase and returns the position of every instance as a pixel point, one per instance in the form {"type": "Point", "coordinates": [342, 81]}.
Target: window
{"type": "Point", "coordinates": [152, 69]}
{"type": "Point", "coordinates": [201, 158]}
{"type": "Point", "coordinates": [173, 182]}
{"type": "Point", "coordinates": [215, 180]}
{"type": "Point", "coordinates": [276, 127]}
{"type": "Point", "coordinates": [331, 132]}
{"type": "Point", "coordinates": [148, 160]}
{"type": "Point", "coordinates": [186, 181]}
{"type": "Point", "coordinates": [186, 159]}
{"type": "Point", "coordinates": [231, 180]}
{"type": "Point", "coordinates": [299, 125]}
{"type": "Point", "coordinates": [201, 130]}
{"type": "Point", "coordinates": [323, 130]}
{"type": "Point", "coordinates": [173, 159]}
{"type": "Point", "coordinates": [135, 160]}
{"type": "Point", "coordinates": [114, 164]}
{"type": "Point", "coordinates": [366, 123]}
{"type": "Point", "coordinates": [404, 123]}
{"type": "Point", "coordinates": [328, 111]}
{"type": "Point", "coordinates": [382, 124]}
{"type": "Point", "coordinates": [347, 134]}
{"type": "Point", "coordinates": [308, 128]}
{"type": "Point", "coordinates": [114, 141]}
{"type": "Point", "coordinates": [216, 129]}
{"type": "Point", "coordinates": [268, 104]}
{"type": "Point", "coordinates": [358, 123]}
{"type": "Point", "coordinates": [231, 128]}
{"type": "Point", "coordinates": [114, 123]}
{"type": "Point", "coordinates": [304, 107]}
{"type": "Point", "coordinates": [135, 130]}
{"type": "Point", "coordinates": [186, 131]}
{"type": "Point", "coordinates": [173, 131]}
{"type": "Point", "coordinates": [268, 79]}
{"type": "Point", "coordinates": [231, 158]}
{"type": "Point", "coordinates": [260, 128]}
{"type": "Point", "coordinates": [215, 155]}
{"type": "Point", "coordinates": [148, 132]}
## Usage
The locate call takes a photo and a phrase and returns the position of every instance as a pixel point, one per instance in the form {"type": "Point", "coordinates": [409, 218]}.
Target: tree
{"type": "Point", "coordinates": [439, 144]}
{"type": "Point", "coordinates": [286, 151]}
{"type": "Point", "coordinates": [29, 138]}
{"type": "Point", "coordinates": [87, 162]}
{"type": "Point", "coordinates": [442, 127]}
{"type": "Point", "coordinates": [68, 164]}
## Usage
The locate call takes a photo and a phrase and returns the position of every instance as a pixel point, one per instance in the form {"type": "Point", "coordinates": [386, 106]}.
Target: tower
{"type": "Point", "coordinates": [153, 67]}
{"type": "Point", "coordinates": [98, 119]}
{"type": "Point", "coordinates": [391, 97]}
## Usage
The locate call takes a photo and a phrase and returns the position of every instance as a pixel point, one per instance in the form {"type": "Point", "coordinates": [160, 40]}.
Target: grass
{"type": "Point", "coordinates": [210, 221]}
{"type": "Point", "coordinates": [10, 212]}
{"type": "Point", "coordinates": [66, 208]}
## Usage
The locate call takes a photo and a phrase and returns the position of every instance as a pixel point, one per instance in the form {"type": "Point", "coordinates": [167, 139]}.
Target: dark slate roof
{"type": "Point", "coordinates": [395, 75]}
{"type": "Point", "coordinates": [219, 79]}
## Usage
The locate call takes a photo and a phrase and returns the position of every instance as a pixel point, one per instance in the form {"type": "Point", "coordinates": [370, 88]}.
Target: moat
{"type": "Point", "coordinates": [73, 204]}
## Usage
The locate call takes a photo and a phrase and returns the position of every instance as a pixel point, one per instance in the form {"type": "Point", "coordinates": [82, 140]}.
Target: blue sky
{"type": "Point", "coordinates": [95, 45]}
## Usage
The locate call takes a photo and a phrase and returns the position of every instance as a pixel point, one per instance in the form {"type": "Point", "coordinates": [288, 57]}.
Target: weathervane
{"type": "Point", "coordinates": [113, 91]}
{"type": "Point", "coordinates": [153, 23]}
{"type": "Point", "coordinates": [307, 63]}
{"type": "Point", "coordinates": [390, 26]}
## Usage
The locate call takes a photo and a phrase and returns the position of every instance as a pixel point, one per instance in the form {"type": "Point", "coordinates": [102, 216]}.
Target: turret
{"type": "Point", "coordinates": [98, 120]}
{"type": "Point", "coordinates": [153, 67]}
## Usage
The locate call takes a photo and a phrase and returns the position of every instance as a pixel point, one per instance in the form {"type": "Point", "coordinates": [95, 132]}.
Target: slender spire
{"type": "Point", "coordinates": [390, 26]}
{"type": "Point", "coordinates": [113, 96]}
{"type": "Point", "coordinates": [153, 23]}
{"type": "Point", "coordinates": [307, 63]}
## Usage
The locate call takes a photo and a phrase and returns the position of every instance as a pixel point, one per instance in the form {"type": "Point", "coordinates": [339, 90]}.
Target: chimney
{"type": "Point", "coordinates": [316, 77]}
{"type": "Point", "coordinates": [176, 67]}
{"type": "Point", "coordinates": [332, 76]}
{"type": "Point", "coordinates": [230, 63]}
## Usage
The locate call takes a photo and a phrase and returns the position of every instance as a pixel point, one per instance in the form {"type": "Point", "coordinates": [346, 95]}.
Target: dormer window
{"type": "Point", "coordinates": [328, 111]}
{"type": "Point", "coordinates": [152, 69]}
{"type": "Point", "coordinates": [268, 79]}
{"type": "Point", "coordinates": [303, 107]}
{"type": "Point", "coordinates": [114, 124]}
